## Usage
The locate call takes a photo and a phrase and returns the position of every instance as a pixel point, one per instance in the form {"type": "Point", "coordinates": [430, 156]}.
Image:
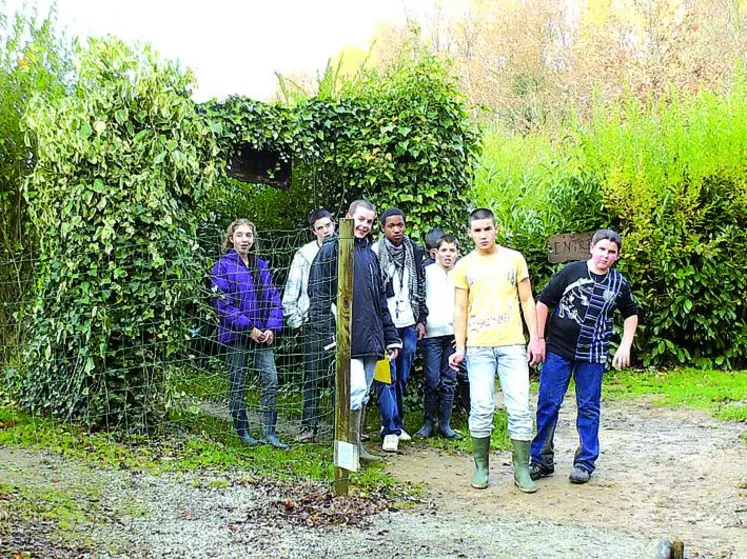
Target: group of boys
{"type": "Point", "coordinates": [466, 312]}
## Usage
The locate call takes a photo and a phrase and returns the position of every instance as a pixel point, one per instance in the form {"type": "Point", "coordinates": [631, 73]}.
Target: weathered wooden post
{"type": "Point", "coordinates": [342, 375]}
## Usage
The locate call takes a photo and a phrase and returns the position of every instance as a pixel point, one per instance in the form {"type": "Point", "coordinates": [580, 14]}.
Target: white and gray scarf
{"type": "Point", "coordinates": [402, 256]}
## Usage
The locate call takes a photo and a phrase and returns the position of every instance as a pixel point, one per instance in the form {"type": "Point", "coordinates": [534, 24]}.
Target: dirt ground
{"type": "Point", "coordinates": [673, 474]}
{"type": "Point", "coordinates": [663, 474]}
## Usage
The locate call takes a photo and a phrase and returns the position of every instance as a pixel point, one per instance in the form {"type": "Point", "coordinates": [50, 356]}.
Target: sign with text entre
{"type": "Point", "coordinates": [568, 247]}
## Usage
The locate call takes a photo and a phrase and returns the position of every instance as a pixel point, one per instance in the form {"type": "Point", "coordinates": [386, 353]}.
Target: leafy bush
{"type": "Point", "coordinates": [401, 137]}
{"type": "Point", "coordinates": [672, 177]}
{"type": "Point", "coordinates": [122, 162]}
{"type": "Point", "coordinates": [35, 60]}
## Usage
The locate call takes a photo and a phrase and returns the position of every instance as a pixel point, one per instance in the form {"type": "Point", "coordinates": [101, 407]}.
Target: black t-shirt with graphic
{"type": "Point", "coordinates": [581, 323]}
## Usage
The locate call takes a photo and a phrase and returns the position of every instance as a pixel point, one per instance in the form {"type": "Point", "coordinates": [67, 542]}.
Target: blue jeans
{"type": "Point", "coordinates": [440, 379]}
{"type": "Point", "coordinates": [510, 362]}
{"type": "Point", "coordinates": [554, 380]}
{"type": "Point", "coordinates": [259, 358]}
{"type": "Point", "coordinates": [391, 397]}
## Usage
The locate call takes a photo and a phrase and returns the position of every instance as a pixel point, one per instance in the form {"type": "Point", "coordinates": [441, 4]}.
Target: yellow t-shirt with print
{"type": "Point", "coordinates": [494, 313]}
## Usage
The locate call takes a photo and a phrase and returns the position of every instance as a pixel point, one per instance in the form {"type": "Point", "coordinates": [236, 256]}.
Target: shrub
{"type": "Point", "coordinates": [121, 162]}
{"type": "Point", "coordinates": [401, 137]}
{"type": "Point", "coordinates": [672, 177]}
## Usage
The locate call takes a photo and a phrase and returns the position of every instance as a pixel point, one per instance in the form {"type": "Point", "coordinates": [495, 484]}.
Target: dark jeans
{"type": "Point", "coordinates": [440, 379]}
{"type": "Point", "coordinates": [318, 374]}
{"type": "Point", "coordinates": [554, 380]}
{"type": "Point", "coordinates": [261, 358]}
{"type": "Point", "coordinates": [391, 397]}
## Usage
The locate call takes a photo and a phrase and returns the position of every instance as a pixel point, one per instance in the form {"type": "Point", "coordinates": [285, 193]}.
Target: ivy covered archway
{"type": "Point", "coordinates": [400, 138]}
{"type": "Point", "coordinates": [128, 167]}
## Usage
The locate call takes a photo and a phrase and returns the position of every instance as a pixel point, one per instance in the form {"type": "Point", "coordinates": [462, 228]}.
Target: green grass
{"type": "Point", "coordinates": [193, 442]}
{"type": "Point", "coordinates": [69, 507]}
{"type": "Point", "coordinates": [211, 385]}
{"type": "Point", "coordinates": [719, 393]}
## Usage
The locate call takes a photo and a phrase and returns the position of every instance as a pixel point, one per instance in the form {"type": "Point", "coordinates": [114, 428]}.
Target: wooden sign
{"type": "Point", "coordinates": [568, 246]}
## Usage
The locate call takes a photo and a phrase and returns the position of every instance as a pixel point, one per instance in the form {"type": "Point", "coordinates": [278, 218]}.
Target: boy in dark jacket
{"type": "Point", "coordinates": [373, 333]}
{"type": "Point", "coordinates": [251, 316]}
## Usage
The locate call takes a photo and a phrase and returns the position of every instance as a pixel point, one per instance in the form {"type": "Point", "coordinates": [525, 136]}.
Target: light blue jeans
{"type": "Point", "coordinates": [361, 378]}
{"type": "Point", "coordinates": [513, 372]}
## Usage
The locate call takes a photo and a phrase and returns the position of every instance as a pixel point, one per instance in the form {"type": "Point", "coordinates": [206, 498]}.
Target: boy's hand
{"type": "Point", "coordinates": [420, 329]}
{"type": "Point", "coordinates": [536, 352]}
{"type": "Point", "coordinates": [268, 337]}
{"type": "Point", "coordinates": [257, 335]}
{"type": "Point", "coordinates": [456, 358]}
{"type": "Point", "coordinates": [393, 353]}
{"type": "Point", "coordinates": [622, 357]}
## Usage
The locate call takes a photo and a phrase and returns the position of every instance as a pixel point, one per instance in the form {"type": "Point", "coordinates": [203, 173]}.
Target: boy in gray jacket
{"type": "Point", "coordinates": [296, 311]}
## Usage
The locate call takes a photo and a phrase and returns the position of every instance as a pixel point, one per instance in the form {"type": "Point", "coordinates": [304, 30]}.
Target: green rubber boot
{"type": "Point", "coordinates": [357, 417]}
{"type": "Point", "coordinates": [481, 453]}
{"type": "Point", "coordinates": [522, 477]}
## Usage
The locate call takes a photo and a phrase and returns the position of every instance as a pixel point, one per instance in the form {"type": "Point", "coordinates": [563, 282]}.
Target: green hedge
{"type": "Point", "coordinates": [672, 178]}
{"type": "Point", "coordinates": [122, 162]}
{"type": "Point", "coordinates": [399, 136]}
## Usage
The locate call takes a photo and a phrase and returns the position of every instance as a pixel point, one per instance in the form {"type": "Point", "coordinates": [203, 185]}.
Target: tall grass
{"type": "Point", "coordinates": [672, 177]}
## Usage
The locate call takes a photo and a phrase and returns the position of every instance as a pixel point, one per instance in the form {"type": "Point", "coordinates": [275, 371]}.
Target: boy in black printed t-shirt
{"type": "Point", "coordinates": [584, 296]}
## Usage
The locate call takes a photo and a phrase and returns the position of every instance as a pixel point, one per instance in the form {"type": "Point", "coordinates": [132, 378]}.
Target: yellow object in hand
{"type": "Point", "coordinates": [383, 372]}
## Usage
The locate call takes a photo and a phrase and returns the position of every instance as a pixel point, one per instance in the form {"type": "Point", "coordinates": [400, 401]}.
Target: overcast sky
{"type": "Point", "coordinates": [234, 46]}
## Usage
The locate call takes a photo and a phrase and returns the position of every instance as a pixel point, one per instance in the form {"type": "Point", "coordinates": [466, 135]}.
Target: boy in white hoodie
{"type": "Point", "coordinates": [296, 311]}
{"type": "Point", "coordinates": [438, 344]}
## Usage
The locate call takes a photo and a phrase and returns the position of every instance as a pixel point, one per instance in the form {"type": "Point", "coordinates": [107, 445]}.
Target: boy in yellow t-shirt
{"type": "Point", "coordinates": [492, 292]}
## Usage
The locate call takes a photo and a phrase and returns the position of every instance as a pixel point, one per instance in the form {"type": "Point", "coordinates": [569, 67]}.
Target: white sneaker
{"type": "Point", "coordinates": [390, 444]}
{"type": "Point", "coordinates": [403, 436]}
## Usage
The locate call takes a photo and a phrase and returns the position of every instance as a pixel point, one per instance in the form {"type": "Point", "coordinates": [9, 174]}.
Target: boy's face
{"type": "Point", "coordinates": [242, 239]}
{"type": "Point", "coordinates": [604, 254]}
{"type": "Point", "coordinates": [446, 255]}
{"type": "Point", "coordinates": [323, 228]}
{"type": "Point", "coordinates": [394, 229]}
{"type": "Point", "coordinates": [483, 233]}
{"type": "Point", "coordinates": [362, 221]}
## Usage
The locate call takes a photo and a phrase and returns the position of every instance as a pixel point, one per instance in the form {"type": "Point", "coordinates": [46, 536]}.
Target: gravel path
{"type": "Point", "coordinates": [662, 474]}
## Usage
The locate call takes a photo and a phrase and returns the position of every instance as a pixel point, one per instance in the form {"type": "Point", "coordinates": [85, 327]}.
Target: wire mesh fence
{"type": "Point", "coordinates": [221, 373]}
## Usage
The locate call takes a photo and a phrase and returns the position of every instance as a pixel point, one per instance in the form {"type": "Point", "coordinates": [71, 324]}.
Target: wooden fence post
{"type": "Point", "coordinates": [342, 374]}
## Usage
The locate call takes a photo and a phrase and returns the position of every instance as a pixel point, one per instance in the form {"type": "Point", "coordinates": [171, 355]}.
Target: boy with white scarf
{"type": "Point", "coordinates": [402, 273]}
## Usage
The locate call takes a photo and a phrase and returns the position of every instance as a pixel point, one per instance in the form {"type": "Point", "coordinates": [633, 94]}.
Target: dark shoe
{"type": "Point", "coordinates": [241, 423]}
{"type": "Point", "coordinates": [247, 439]}
{"type": "Point", "coordinates": [520, 455]}
{"type": "Point", "coordinates": [448, 433]}
{"type": "Point", "coordinates": [579, 475]}
{"type": "Point", "coordinates": [444, 418]}
{"type": "Point", "coordinates": [268, 430]}
{"type": "Point", "coordinates": [481, 454]}
{"type": "Point", "coordinates": [429, 415]}
{"type": "Point", "coordinates": [272, 440]}
{"type": "Point", "coordinates": [425, 431]}
{"type": "Point", "coordinates": [538, 471]}
{"type": "Point", "coordinates": [307, 435]}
